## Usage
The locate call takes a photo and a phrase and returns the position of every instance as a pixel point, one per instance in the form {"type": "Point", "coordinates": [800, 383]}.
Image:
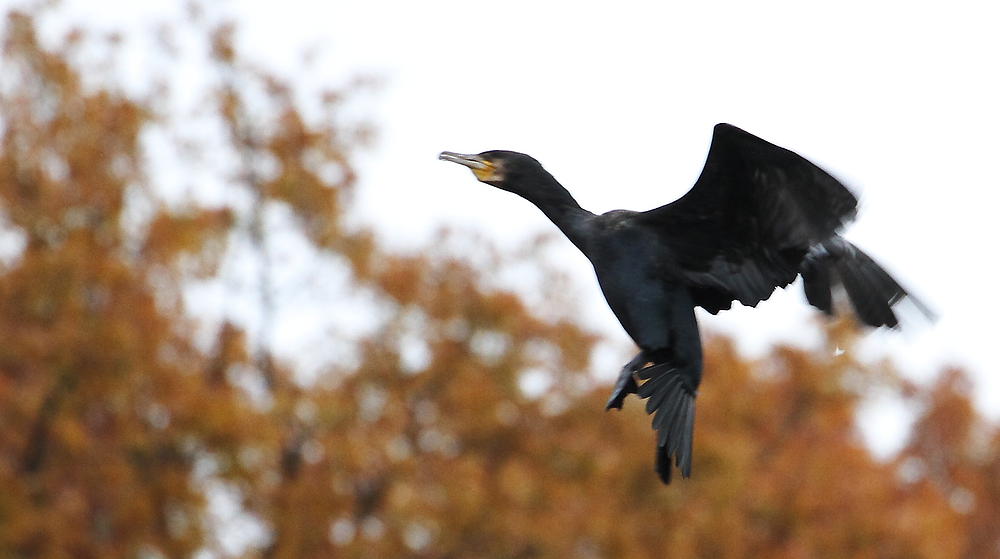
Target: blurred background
{"type": "Point", "coordinates": [245, 312]}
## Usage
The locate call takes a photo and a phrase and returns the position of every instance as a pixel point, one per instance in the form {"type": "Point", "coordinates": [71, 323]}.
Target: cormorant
{"type": "Point", "coordinates": [758, 217]}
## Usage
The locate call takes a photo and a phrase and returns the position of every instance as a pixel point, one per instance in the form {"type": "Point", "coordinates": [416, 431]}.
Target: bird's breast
{"type": "Point", "coordinates": [630, 274]}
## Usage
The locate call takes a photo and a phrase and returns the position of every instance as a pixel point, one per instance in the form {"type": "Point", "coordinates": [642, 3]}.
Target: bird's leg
{"type": "Point", "coordinates": [626, 384]}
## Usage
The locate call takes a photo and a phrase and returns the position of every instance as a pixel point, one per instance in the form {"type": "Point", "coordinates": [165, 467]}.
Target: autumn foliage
{"type": "Point", "coordinates": [127, 431]}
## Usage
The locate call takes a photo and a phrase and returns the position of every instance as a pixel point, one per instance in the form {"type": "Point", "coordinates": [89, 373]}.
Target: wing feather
{"type": "Point", "coordinates": [749, 220]}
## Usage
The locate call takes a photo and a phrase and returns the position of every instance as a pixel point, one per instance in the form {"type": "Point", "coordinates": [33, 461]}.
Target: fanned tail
{"type": "Point", "coordinates": [669, 396]}
{"type": "Point", "coordinates": [871, 290]}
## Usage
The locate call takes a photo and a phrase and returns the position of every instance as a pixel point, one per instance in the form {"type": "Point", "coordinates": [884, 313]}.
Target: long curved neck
{"type": "Point", "coordinates": [560, 207]}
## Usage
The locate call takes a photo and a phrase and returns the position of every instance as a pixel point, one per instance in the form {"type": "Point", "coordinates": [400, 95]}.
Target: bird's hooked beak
{"type": "Point", "coordinates": [482, 168]}
{"type": "Point", "coordinates": [473, 162]}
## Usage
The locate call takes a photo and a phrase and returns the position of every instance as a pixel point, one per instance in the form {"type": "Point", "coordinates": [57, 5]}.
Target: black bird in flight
{"type": "Point", "coordinates": [758, 217]}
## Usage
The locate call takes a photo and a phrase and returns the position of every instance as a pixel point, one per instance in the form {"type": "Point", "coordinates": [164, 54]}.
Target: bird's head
{"type": "Point", "coordinates": [507, 170]}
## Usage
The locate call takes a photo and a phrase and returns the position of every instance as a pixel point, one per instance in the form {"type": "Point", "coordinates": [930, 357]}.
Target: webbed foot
{"type": "Point", "coordinates": [626, 384]}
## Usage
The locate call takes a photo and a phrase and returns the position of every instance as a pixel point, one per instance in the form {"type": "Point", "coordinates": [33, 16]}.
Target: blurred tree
{"type": "Point", "coordinates": [103, 411]}
{"type": "Point", "coordinates": [467, 424]}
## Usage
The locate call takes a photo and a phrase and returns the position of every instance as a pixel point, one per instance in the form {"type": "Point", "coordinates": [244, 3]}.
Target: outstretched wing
{"type": "Point", "coordinates": [747, 223]}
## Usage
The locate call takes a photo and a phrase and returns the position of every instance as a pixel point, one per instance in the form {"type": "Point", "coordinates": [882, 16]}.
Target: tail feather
{"type": "Point", "coordinates": [684, 461]}
{"type": "Point", "coordinates": [667, 417]}
{"type": "Point", "coordinates": [670, 397]}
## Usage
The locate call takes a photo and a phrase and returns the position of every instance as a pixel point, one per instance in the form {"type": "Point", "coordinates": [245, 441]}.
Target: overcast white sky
{"type": "Point", "coordinates": [898, 99]}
